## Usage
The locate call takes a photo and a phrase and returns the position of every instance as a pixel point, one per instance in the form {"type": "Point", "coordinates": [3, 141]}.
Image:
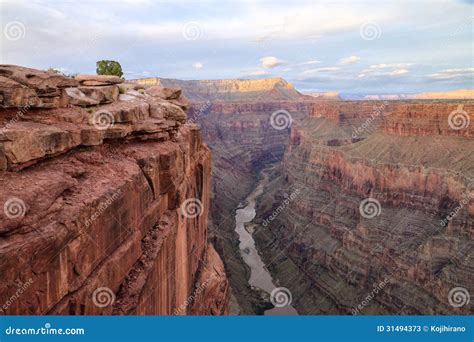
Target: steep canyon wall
{"type": "Point", "coordinates": [243, 141]}
{"type": "Point", "coordinates": [95, 183]}
{"type": "Point", "coordinates": [383, 219]}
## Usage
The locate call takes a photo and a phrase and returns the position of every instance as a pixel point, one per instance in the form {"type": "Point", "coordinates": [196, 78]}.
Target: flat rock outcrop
{"type": "Point", "coordinates": [105, 207]}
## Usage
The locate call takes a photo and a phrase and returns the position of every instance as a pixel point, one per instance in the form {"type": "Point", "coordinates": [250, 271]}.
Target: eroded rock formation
{"type": "Point", "coordinates": [407, 250]}
{"type": "Point", "coordinates": [243, 141]}
{"type": "Point", "coordinates": [260, 90]}
{"type": "Point", "coordinates": [95, 199]}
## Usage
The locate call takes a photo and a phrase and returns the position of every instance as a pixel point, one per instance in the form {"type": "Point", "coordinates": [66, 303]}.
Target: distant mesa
{"type": "Point", "coordinates": [458, 94]}
{"type": "Point", "coordinates": [466, 94]}
{"type": "Point", "coordinates": [265, 89]}
{"type": "Point", "coordinates": [325, 95]}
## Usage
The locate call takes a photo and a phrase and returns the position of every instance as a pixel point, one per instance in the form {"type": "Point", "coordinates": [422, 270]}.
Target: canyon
{"type": "Point", "coordinates": [410, 156]}
{"type": "Point", "coordinates": [105, 196]}
{"type": "Point", "coordinates": [162, 196]}
{"type": "Point", "coordinates": [368, 232]}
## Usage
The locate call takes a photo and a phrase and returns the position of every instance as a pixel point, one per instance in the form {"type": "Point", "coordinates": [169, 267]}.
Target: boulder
{"type": "Point", "coordinates": [21, 86]}
{"type": "Point", "coordinates": [78, 98]}
{"type": "Point", "coordinates": [26, 141]}
{"type": "Point", "coordinates": [181, 102]}
{"type": "Point", "coordinates": [14, 94]}
{"type": "Point", "coordinates": [103, 94]}
{"type": "Point", "coordinates": [166, 110]}
{"type": "Point", "coordinates": [130, 111]}
{"type": "Point", "coordinates": [43, 82]}
{"type": "Point", "coordinates": [104, 79]}
{"type": "Point", "coordinates": [94, 83]}
{"type": "Point", "coordinates": [164, 92]}
{"type": "Point", "coordinates": [124, 87]}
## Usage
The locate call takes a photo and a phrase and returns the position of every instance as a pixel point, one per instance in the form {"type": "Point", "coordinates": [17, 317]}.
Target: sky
{"type": "Point", "coordinates": [353, 47]}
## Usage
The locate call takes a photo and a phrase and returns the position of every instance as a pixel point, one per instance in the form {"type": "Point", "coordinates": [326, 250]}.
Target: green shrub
{"type": "Point", "coordinates": [106, 67]}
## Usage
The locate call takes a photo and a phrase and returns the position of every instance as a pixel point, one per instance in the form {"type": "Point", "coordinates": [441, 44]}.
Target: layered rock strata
{"type": "Point", "coordinates": [105, 207]}
{"type": "Point", "coordinates": [259, 90]}
{"type": "Point", "coordinates": [243, 141]}
{"type": "Point", "coordinates": [383, 219]}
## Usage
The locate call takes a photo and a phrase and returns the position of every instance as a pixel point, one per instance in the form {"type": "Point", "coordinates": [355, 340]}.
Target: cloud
{"type": "Point", "coordinates": [384, 70]}
{"type": "Point", "coordinates": [450, 74]}
{"type": "Point", "coordinates": [320, 70]}
{"type": "Point", "coordinates": [253, 72]}
{"type": "Point", "coordinates": [389, 66]}
{"type": "Point", "coordinates": [398, 72]}
{"type": "Point", "coordinates": [310, 62]}
{"type": "Point", "coordinates": [198, 65]}
{"type": "Point", "coordinates": [271, 62]}
{"type": "Point", "coordinates": [349, 60]}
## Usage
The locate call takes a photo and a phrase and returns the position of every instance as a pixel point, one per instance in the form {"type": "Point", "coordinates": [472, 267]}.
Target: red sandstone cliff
{"type": "Point", "coordinates": [105, 205]}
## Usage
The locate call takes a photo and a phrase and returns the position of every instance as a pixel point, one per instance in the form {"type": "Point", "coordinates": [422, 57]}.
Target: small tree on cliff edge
{"type": "Point", "coordinates": [109, 68]}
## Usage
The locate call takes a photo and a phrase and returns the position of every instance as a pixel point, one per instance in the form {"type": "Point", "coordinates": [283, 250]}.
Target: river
{"type": "Point", "coordinates": [260, 277]}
